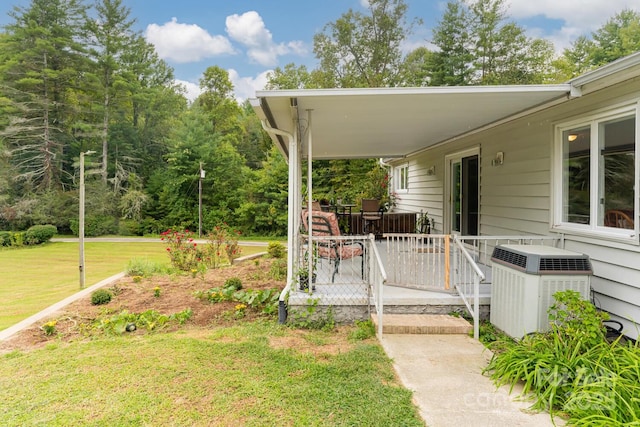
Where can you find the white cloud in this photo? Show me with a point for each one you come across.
(192, 90)
(249, 29)
(579, 17)
(245, 87)
(186, 42)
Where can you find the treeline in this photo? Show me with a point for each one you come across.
(77, 78)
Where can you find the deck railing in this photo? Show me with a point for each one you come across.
(419, 261)
(377, 278)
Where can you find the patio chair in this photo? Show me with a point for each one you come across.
(371, 216)
(618, 219)
(326, 224)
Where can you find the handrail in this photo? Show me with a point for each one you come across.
(469, 258)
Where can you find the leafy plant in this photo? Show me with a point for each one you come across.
(263, 300)
(233, 282)
(101, 296)
(310, 318)
(365, 329)
(150, 320)
(573, 368)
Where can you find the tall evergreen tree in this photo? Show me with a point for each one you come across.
(110, 35)
(40, 73)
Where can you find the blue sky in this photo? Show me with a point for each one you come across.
(250, 37)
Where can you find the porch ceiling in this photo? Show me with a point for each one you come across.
(395, 122)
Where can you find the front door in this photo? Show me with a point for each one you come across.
(463, 206)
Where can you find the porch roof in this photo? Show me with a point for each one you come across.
(396, 122)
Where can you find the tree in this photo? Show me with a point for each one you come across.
(452, 65)
(41, 73)
(360, 50)
(476, 45)
(217, 100)
(618, 37)
(110, 35)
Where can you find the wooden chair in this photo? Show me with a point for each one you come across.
(371, 215)
(618, 219)
(326, 224)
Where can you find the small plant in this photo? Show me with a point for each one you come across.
(233, 282)
(156, 292)
(364, 329)
(239, 312)
(143, 267)
(276, 250)
(49, 328)
(137, 279)
(101, 296)
(278, 269)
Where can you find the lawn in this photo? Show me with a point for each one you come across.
(252, 374)
(33, 278)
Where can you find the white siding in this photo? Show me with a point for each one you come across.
(515, 198)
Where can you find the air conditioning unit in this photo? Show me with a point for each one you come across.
(524, 279)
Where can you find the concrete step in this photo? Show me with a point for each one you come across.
(435, 324)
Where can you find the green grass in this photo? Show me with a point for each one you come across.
(33, 278)
(228, 376)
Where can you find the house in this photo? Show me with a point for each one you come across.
(545, 160)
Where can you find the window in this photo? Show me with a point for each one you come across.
(402, 178)
(597, 166)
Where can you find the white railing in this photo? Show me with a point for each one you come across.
(419, 261)
(481, 247)
(377, 278)
(466, 278)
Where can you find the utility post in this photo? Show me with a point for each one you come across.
(81, 219)
(202, 173)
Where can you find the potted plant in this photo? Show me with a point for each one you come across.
(423, 223)
(303, 272)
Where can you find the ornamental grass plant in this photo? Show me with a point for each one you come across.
(572, 369)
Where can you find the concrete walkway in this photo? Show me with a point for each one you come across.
(445, 374)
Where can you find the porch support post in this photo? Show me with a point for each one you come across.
(310, 253)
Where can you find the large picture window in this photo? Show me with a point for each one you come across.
(598, 173)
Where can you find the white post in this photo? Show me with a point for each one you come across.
(202, 174)
(81, 220)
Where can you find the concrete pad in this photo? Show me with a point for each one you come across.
(445, 374)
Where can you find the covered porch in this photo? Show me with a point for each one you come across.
(389, 123)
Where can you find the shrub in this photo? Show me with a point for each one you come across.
(100, 297)
(5, 238)
(39, 234)
(276, 250)
(233, 282)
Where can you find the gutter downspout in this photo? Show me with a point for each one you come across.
(293, 225)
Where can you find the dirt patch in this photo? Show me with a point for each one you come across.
(177, 293)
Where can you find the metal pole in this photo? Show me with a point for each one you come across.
(81, 222)
(200, 201)
(81, 219)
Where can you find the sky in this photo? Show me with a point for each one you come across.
(249, 38)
